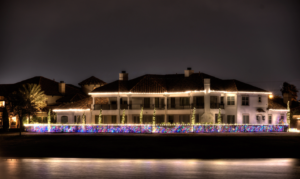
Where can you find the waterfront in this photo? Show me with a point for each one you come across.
(34, 168)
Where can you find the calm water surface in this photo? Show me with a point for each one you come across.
(144, 168)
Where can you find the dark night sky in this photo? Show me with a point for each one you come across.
(252, 41)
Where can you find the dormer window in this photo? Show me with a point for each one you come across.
(259, 99)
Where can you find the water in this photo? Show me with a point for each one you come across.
(148, 168)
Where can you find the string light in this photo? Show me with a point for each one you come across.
(148, 128)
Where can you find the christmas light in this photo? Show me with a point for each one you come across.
(146, 128)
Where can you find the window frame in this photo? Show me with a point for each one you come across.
(248, 118)
(246, 100)
(230, 101)
(270, 119)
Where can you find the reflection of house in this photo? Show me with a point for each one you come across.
(57, 93)
(174, 96)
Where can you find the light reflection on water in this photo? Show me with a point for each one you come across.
(148, 168)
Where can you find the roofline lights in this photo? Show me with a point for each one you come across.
(279, 109)
(203, 91)
(62, 110)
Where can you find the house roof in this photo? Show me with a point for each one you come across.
(72, 98)
(276, 103)
(175, 83)
(50, 87)
(83, 103)
(92, 80)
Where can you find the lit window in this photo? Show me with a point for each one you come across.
(230, 100)
(245, 101)
(2, 104)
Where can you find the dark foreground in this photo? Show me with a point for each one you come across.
(264, 145)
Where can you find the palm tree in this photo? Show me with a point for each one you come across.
(33, 97)
(28, 100)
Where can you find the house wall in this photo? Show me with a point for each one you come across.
(88, 88)
(51, 100)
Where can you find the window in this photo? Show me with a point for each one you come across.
(156, 102)
(184, 101)
(159, 119)
(270, 119)
(263, 118)
(230, 119)
(136, 119)
(184, 119)
(245, 119)
(114, 119)
(147, 119)
(230, 100)
(259, 98)
(64, 119)
(172, 102)
(199, 101)
(2, 104)
(245, 101)
(146, 102)
(222, 100)
(74, 119)
(171, 119)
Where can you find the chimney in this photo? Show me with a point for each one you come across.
(62, 87)
(188, 72)
(123, 76)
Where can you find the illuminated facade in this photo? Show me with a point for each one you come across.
(174, 97)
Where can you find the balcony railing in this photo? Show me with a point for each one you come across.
(216, 106)
(177, 106)
(139, 106)
(105, 106)
(198, 106)
(157, 107)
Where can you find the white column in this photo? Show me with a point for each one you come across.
(118, 109)
(93, 104)
(191, 102)
(128, 117)
(166, 108)
(207, 95)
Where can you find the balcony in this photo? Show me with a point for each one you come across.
(216, 106)
(177, 106)
(146, 107)
(105, 106)
(198, 106)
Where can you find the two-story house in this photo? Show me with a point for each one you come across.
(174, 98)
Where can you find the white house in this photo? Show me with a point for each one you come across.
(174, 97)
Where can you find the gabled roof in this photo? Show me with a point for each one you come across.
(175, 83)
(83, 103)
(92, 80)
